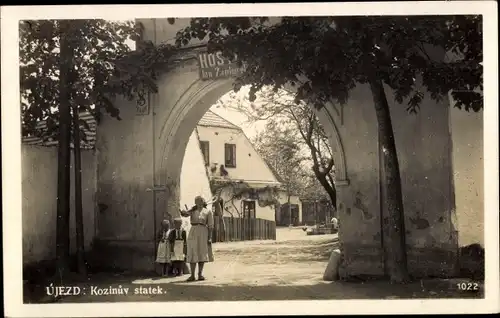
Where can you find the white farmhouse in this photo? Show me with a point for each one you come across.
(220, 161)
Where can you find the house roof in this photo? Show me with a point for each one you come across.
(88, 129)
(273, 171)
(211, 119)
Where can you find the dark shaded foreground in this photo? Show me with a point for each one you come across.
(290, 268)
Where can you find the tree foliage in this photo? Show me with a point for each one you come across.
(105, 67)
(293, 169)
(294, 127)
(325, 57)
(282, 153)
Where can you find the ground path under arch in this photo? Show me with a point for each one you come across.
(289, 268)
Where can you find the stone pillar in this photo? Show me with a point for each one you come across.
(359, 232)
(124, 220)
(357, 182)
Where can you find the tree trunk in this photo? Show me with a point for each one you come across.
(393, 218)
(80, 242)
(330, 190)
(64, 159)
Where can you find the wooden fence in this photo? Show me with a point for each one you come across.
(316, 212)
(228, 229)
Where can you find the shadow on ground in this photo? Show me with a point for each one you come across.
(289, 268)
(203, 291)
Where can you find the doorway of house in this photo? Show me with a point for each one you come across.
(289, 216)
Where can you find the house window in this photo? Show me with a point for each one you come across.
(205, 150)
(230, 155)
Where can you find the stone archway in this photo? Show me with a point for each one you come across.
(184, 117)
(139, 161)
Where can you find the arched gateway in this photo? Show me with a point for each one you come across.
(140, 159)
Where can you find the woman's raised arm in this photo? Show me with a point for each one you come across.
(185, 213)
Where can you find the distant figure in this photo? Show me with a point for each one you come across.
(335, 223)
(199, 239)
(178, 247)
(223, 171)
(163, 252)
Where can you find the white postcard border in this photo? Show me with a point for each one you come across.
(11, 162)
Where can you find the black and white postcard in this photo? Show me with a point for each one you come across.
(250, 159)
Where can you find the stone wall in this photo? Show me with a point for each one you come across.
(468, 175)
(39, 191)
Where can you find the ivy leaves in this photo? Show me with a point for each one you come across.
(266, 196)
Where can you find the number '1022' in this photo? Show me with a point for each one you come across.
(468, 286)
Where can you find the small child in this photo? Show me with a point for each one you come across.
(163, 254)
(178, 247)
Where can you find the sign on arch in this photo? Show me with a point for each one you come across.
(215, 65)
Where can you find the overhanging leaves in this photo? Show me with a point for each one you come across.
(326, 57)
(104, 67)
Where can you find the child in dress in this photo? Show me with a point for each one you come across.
(178, 247)
(163, 254)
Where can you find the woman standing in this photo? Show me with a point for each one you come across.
(199, 240)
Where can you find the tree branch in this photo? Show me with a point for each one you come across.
(329, 166)
(305, 135)
(328, 148)
(420, 46)
(330, 179)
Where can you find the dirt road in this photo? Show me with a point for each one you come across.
(289, 268)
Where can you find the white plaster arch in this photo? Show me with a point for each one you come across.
(330, 126)
(195, 95)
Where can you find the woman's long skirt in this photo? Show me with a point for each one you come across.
(198, 249)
